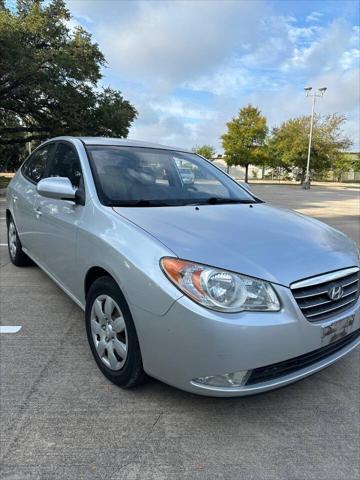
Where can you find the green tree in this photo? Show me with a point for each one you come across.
(289, 143)
(345, 162)
(49, 76)
(243, 143)
(207, 151)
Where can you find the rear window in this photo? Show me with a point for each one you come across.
(35, 166)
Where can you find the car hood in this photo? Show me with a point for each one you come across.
(260, 240)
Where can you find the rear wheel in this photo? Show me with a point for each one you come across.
(111, 334)
(17, 256)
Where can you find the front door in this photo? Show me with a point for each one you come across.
(59, 220)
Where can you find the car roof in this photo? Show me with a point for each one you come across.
(125, 142)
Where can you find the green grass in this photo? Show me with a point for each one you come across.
(4, 181)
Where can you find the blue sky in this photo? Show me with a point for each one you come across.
(189, 66)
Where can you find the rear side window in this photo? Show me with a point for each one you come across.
(66, 163)
(34, 168)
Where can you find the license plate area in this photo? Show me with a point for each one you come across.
(336, 330)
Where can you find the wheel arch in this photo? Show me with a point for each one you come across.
(93, 274)
(8, 216)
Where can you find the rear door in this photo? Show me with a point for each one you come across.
(58, 220)
(25, 197)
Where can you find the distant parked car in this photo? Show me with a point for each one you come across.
(187, 175)
(203, 286)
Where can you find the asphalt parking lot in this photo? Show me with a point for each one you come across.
(61, 419)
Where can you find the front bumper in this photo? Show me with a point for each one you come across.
(190, 341)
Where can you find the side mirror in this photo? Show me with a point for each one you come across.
(56, 187)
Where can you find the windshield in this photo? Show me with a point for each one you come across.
(137, 176)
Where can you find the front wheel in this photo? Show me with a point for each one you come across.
(112, 335)
(17, 256)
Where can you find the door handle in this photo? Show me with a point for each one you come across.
(38, 213)
(14, 197)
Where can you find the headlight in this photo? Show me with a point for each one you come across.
(220, 289)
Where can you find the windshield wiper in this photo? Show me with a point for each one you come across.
(222, 200)
(140, 203)
(179, 202)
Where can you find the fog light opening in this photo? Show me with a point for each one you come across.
(234, 379)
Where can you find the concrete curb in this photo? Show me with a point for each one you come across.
(297, 184)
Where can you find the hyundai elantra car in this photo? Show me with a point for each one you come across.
(199, 284)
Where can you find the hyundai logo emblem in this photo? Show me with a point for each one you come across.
(335, 293)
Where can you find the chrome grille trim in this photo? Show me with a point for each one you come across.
(313, 298)
(299, 297)
(327, 277)
(350, 283)
(330, 309)
(349, 293)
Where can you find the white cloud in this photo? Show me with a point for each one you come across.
(168, 122)
(314, 17)
(297, 34)
(342, 96)
(189, 66)
(279, 95)
(168, 131)
(355, 37)
(279, 105)
(228, 79)
(343, 92)
(171, 42)
(324, 52)
(176, 107)
(350, 59)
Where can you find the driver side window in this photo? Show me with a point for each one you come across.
(66, 163)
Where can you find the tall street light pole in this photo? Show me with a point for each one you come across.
(308, 90)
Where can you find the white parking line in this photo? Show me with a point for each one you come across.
(3, 244)
(9, 329)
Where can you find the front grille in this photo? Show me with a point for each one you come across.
(314, 299)
(276, 370)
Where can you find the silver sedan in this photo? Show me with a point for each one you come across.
(199, 284)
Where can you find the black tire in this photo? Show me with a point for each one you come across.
(131, 374)
(16, 253)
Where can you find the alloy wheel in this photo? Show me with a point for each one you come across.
(12, 239)
(109, 332)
